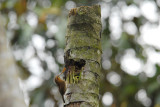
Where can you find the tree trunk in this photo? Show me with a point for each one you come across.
(10, 94)
(83, 57)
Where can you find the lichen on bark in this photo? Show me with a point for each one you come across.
(83, 42)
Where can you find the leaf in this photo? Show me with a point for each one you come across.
(20, 7)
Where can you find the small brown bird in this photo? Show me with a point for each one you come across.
(61, 84)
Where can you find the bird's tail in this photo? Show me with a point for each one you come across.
(63, 98)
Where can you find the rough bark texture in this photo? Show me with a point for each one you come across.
(83, 56)
(10, 93)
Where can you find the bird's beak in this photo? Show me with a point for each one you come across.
(64, 70)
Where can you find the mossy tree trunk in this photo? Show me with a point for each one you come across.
(83, 56)
(10, 93)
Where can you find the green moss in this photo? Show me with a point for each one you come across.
(86, 53)
(83, 41)
(87, 97)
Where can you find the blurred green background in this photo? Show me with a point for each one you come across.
(131, 49)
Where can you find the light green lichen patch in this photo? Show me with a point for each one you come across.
(86, 97)
(92, 66)
(85, 53)
(88, 27)
(84, 85)
(85, 14)
(92, 76)
(84, 31)
(82, 41)
(81, 30)
(89, 10)
(89, 104)
(84, 19)
(89, 86)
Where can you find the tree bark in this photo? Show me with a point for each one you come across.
(83, 56)
(10, 93)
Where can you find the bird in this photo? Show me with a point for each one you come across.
(61, 84)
